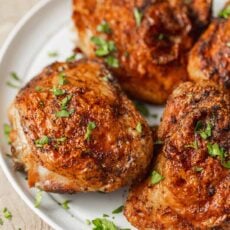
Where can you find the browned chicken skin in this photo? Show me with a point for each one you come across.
(151, 50)
(195, 190)
(210, 57)
(75, 130)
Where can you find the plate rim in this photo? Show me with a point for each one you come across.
(9, 38)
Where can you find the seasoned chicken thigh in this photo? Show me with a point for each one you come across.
(75, 130)
(210, 57)
(189, 187)
(145, 42)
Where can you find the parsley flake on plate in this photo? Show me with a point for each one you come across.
(138, 16)
(104, 28)
(7, 214)
(118, 210)
(65, 204)
(38, 199)
(44, 140)
(7, 129)
(103, 224)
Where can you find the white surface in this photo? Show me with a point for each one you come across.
(46, 28)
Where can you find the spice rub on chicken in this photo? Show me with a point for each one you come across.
(145, 42)
(75, 130)
(189, 187)
(210, 57)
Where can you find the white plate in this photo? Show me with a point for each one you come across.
(47, 28)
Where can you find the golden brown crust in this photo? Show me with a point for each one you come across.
(152, 56)
(188, 198)
(114, 156)
(210, 57)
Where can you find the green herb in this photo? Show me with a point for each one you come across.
(61, 139)
(142, 108)
(65, 204)
(161, 37)
(90, 127)
(118, 210)
(7, 131)
(104, 28)
(112, 61)
(42, 141)
(103, 47)
(64, 113)
(62, 79)
(103, 224)
(198, 169)
(204, 132)
(38, 199)
(107, 77)
(139, 127)
(105, 215)
(215, 150)
(126, 54)
(38, 88)
(1, 221)
(65, 101)
(225, 13)
(88, 222)
(193, 145)
(7, 214)
(71, 58)
(159, 142)
(156, 177)
(138, 16)
(15, 76)
(58, 92)
(12, 85)
(53, 54)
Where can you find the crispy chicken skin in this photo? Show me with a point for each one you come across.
(195, 191)
(210, 57)
(152, 56)
(110, 154)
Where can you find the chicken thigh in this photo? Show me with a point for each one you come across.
(75, 130)
(210, 57)
(145, 43)
(189, 187)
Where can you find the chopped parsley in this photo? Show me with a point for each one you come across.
(90, 127)
(71, 58)
(15, 76)
(38, 88)
(57, 91)
(193, 145)
(53, 54)
(156, 177)
(214, 150)
(142, 108)
(103, 224)
(88, 222)
(65, 101)
(138, 16)
(38, 199)
(44, 140)
(205, 132)
(103, 47)
(7, 131)
(198, 169)
(104, 28)
(105, 215)
(7, 214)
(1, 221)
(161, 37)
(60, 140)
(107, 78)
(112, 61)
(12, 85)
(225, 13)
(64, 113)
(65, 205)
(118, 210)
(139, 127)
(62, 79)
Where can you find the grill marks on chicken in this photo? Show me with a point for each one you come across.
(210, 57)
(75, 130)
(151, 50)
(194, 161)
